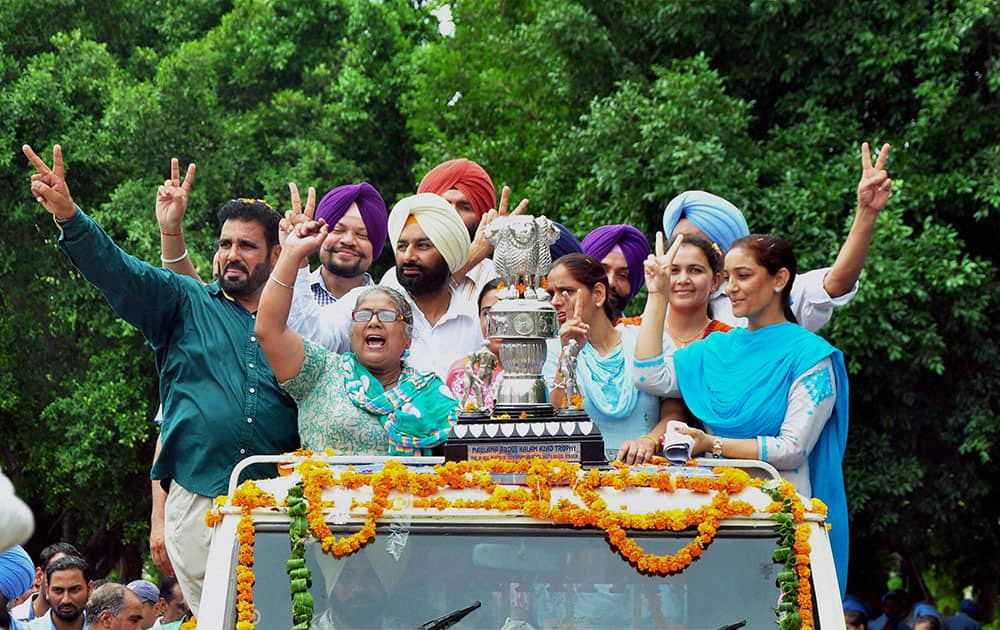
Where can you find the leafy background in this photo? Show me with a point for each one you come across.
(599, 112)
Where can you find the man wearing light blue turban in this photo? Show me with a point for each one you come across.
(814, 293)
(719, 221)
(17, 572)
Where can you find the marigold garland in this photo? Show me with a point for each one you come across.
(248, 497)
(795, 610)
(534, 499)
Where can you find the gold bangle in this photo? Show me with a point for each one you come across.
(656, 443)
(280, 283)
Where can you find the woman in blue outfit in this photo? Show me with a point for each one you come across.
(772, 391)
(578, 285)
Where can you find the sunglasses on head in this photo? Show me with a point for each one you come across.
(384, 315)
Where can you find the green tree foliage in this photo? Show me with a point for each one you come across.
(600, 112)
(259, 94)
(766, 103)
(513, 73)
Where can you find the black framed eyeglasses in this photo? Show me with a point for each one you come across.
(385, 315)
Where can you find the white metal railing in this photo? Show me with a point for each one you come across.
(753, 467)
(330, 459)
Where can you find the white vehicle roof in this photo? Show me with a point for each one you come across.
(217, 602)
(635, 500)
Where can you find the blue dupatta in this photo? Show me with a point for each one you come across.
(738, 385)
(606, 381)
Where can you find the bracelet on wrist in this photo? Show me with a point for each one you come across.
(280, 283)
(171, 233)
(657, 445)
(717, 447)
(168, 261)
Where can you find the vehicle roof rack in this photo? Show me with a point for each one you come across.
(754, 467)
(330, 459)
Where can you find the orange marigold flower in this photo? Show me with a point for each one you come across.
(212, 518)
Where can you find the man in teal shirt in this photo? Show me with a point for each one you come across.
(220, 398)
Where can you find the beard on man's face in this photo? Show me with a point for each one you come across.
(343, 270)
(420, 279)
(472, 230)
(617, 302)
(247, 284)
(67, 612)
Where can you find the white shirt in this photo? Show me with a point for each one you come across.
(24, 612)
(455, 335)
(811, 304)
(321, 294)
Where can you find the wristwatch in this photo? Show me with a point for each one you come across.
(717, 447)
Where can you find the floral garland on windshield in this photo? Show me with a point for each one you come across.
(795, 610)
(534, 499)
(248, 497)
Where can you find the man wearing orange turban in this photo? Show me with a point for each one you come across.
(469, 189)
(466, 185)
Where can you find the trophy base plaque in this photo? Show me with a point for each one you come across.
(507, 436)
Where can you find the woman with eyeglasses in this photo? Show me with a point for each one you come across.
(365, 401)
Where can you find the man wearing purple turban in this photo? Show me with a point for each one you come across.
(814, 293)
(358, 223)
(621, 249)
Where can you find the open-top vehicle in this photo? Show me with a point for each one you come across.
(411, 543)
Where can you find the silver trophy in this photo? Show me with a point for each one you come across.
(523, 423)
(522, 319)
(572, 394)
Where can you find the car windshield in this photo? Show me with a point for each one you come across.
(525, 577)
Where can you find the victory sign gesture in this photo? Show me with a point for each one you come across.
(297, 215)
(48, 185)
(875, 185)
(172, 198)
(657, 265)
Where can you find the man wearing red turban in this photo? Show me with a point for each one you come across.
(469, 189)
(466, 185)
